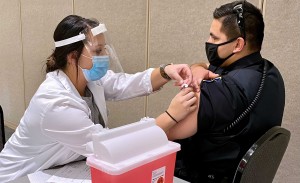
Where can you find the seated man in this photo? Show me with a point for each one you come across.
(237, 107)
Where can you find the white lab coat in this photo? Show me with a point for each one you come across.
(56, 126)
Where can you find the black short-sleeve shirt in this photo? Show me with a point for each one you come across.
(211, 151)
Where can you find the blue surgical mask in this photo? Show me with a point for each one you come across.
(99, 69)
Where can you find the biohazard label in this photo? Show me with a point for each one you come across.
(158, 175)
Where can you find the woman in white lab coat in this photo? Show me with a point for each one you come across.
(57, 125)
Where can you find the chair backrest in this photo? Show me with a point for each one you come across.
(2, 132)
(262, 160)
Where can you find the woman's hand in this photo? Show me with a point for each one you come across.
(182, 104)
(181, 73)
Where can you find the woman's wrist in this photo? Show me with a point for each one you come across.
(157, 81)
(165, 122)
(171, 116)
(162, 71)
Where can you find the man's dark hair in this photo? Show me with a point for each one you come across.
(252, 22)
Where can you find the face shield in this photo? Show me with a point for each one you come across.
(97, 43)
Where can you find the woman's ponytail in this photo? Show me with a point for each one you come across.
(51, 64)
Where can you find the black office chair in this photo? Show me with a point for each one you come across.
(262, 160)
(2, 132)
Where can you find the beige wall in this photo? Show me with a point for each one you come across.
(145, 34)
(282, 46)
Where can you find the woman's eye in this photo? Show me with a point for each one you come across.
(98, 51)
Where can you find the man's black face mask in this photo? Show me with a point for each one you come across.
(212, 53)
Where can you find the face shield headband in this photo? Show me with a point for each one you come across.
(95, 31)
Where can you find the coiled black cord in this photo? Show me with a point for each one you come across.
(253, 103)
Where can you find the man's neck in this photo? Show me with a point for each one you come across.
(237, 56)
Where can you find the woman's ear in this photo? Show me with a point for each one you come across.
(240, 43)
(72, 58)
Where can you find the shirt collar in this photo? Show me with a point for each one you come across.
(252, 59)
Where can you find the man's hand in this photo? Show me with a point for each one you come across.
(200, 73)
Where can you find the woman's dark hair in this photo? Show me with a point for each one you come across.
(70, 26)
(251, 25)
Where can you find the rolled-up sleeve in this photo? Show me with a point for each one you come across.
(221, 101)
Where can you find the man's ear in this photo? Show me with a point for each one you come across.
(240, 43)
(72, 57)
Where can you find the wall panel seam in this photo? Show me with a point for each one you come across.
(22, 54)
(73, 7)
(262, 6)
(147, 50)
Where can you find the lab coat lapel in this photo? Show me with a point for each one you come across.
(98, 94)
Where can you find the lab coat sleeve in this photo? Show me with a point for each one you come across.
(121, 86)
(66, 121)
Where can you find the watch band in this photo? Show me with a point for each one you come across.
(162, 71)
